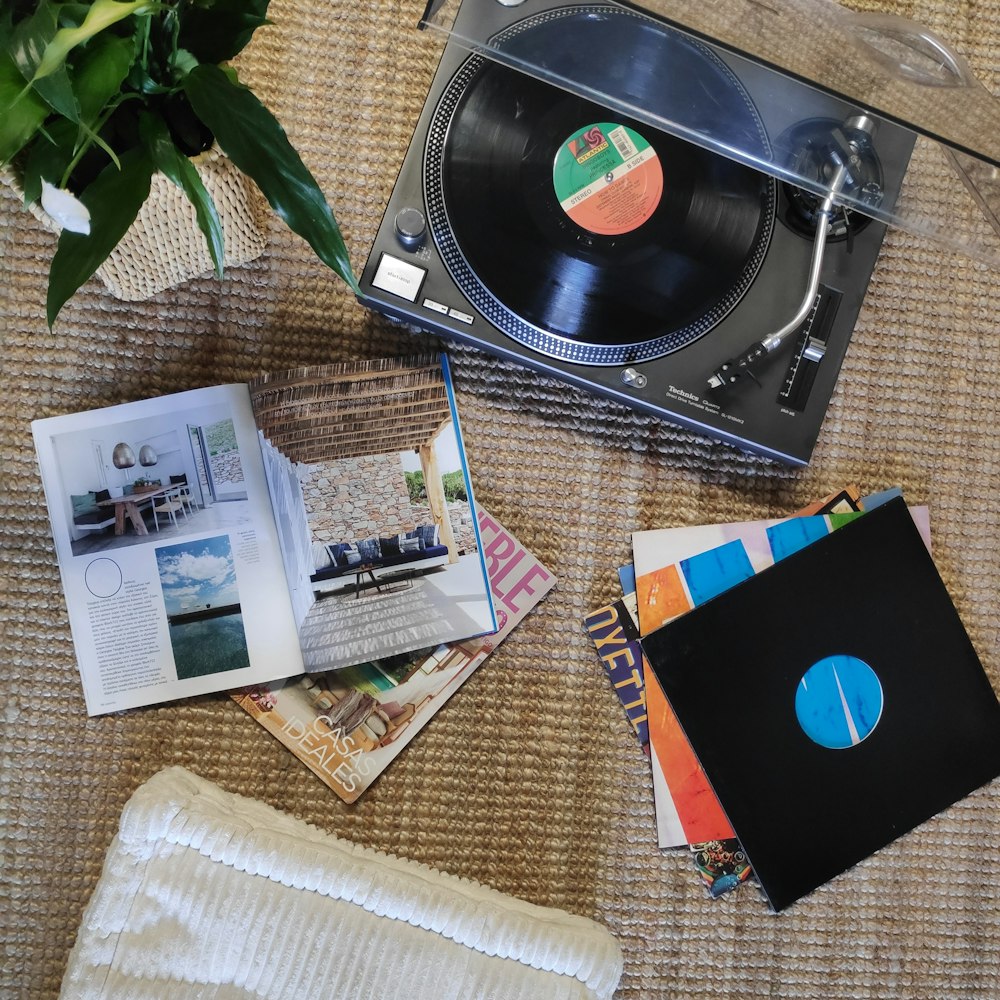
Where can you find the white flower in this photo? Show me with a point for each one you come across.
(65, 209)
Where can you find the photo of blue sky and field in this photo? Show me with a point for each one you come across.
(202, 601)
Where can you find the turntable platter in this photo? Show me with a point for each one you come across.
(583, 233)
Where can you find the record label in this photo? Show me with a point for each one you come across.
(839, 702)
(608, 179)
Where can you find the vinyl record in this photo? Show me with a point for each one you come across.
(582, 232)
(863, 709)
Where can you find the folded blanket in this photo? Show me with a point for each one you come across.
(210, 895)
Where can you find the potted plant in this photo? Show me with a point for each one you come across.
(98, 97)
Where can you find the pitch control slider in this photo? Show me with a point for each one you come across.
(810, 349)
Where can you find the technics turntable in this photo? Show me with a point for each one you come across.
(625, 199)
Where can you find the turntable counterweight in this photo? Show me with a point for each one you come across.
(821, 148)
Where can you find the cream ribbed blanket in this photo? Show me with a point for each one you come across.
(208, 894)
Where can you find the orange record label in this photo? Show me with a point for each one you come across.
(608, 179)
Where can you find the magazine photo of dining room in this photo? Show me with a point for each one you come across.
(152, 478)
(370, 494)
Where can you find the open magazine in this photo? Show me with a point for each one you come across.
(348, 725)
(237, 534)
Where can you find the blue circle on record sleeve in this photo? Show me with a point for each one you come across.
(839, 702)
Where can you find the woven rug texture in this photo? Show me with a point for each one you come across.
(529, 780)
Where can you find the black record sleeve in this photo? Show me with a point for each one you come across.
(868, 592)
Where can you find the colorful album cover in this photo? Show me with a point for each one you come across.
(674, 572)
(614, 630)
(679, 568)
(840, 502)
(837, 696)
(615, 635)
(720, 862)
(670, 590)
(625, 669)
(669, 831)
(708, 831)
(723, 864)
(694, 580)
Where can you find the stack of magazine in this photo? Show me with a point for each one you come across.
(348, 725)
(776, 673)
(309, 542)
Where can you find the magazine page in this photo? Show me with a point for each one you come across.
(167, 548)
(348, 725)
(373, 502)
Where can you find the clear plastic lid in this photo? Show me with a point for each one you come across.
(878, 84)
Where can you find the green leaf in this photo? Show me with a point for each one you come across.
(21, 112)
(52, 57)
(57, 91)
(217, 30)
(32, 40)
(114, 200)
(99, 73)
(252, 138)
(184, 62)
(31, 37)
(179, 169)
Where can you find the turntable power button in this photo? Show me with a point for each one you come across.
(410, 227)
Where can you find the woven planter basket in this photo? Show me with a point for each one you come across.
(164, 246)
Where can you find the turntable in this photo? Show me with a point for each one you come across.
(680, 205)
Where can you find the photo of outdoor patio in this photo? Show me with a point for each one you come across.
(370, 497)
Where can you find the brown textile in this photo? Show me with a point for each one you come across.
(529, 780)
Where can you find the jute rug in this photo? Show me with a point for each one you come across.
(528, 780)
